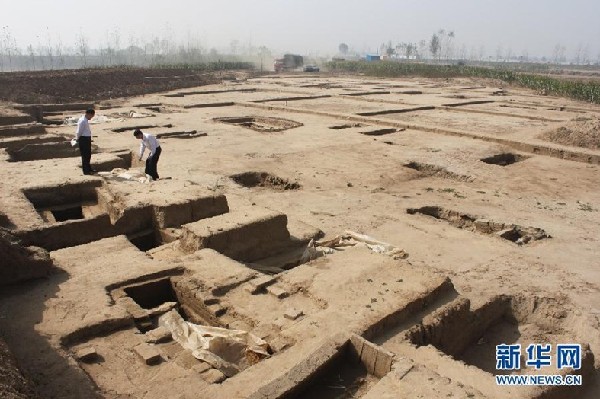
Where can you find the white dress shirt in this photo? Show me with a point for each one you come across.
(149, 141)
(83, 127)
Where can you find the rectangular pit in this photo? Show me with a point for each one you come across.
(152, 294)
(245, 235)
(148, 300)
(42, 151)
(65, 202)
(346, 371)
(146, 240)
(471, 335)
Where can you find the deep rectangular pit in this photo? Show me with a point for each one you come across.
(511, 232)
(350, 373)
(466, 335)
(159, 296)
(70, 213)
(65, 202)
(152, 294)
(146, 240)
(471, 335)
(150, 300)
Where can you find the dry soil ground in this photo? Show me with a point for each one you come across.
(501, 229)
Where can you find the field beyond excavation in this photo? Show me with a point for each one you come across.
(378, 238)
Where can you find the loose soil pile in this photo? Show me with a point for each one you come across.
(580, 132)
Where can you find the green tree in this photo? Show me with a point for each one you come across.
(435, 46)
(343, 47)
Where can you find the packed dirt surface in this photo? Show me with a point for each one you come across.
(581, 132)
(334, 236)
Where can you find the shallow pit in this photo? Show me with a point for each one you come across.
(380, 132)
(264, 179)
(517, 234)
(260, 123)
(346, 126)
(429, 170)
(504, 159)
(181, 135)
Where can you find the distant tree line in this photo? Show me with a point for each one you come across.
(441, 47)
(53, 54)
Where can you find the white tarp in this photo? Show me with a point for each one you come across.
(72, 120)
(349, 239)
(230, 351)
(120, 174)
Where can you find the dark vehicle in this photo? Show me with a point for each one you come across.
(289, 62)
(311, 68)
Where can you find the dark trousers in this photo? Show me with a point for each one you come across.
(85, 148)
(152, 163)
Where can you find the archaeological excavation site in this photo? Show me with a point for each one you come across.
(310, 236)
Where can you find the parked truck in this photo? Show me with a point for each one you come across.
(289, 62)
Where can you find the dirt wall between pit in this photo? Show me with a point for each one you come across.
(13, 384)
(21, 263)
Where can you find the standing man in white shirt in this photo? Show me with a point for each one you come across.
(153, 145)
(84, 139)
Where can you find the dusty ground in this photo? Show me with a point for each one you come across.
(501, 229)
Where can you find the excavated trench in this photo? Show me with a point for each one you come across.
(260, 124)
(264, 179)
(471, 335)
(504, 159)
(518, 234)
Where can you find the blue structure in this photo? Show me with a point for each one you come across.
(371, 57)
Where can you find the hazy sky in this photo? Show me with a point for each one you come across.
(311, 26)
